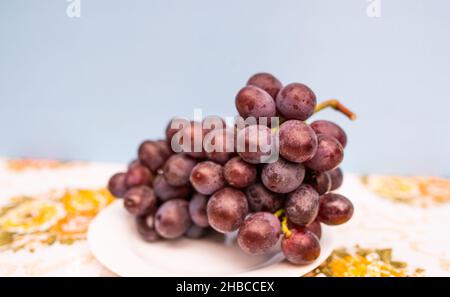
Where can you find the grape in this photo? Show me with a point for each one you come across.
(259, 233)
(197, 210)
(140, 200)
(267, 82)
(328, 156)
(239, 174)
(172, 218)
(314, 227)
(337, 178)
(296, 102)
(177, 169)
(146, 227)
(335, 209)
(226, 210)
(330, 129)
(302, 247)
(255, 144)
(254, 102)
(117, 185)
(207, 177)
(164, 148)
(302, 205)
(165, 192)
(282, 176)
(298, 142)
(261, 199)
(138, 175)
(195, 231)
(190, 140)
(151, 155)
(219, 145)
(134, 163)
(320, 181)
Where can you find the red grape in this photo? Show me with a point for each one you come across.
(195, 232)
(261, 199)
(190, 140)
(138, 175)
(177, 169)
(267, 82)
(226, 210)
(140, 200)
(335, 209)
(328, 156)
(282, 176)
(172, 219)
(239, 174)
(259, 233)
(302, 247)
(320, 181)
(296, 102)
(207, 177)
(197, 210)
(330, 129)
(219, 145)
(255, 144)
(254, 102)
(337, 178)
(165, 192)
(302, 205)
(298, 142)
(151, 155)
(145, 225)
(117, 185)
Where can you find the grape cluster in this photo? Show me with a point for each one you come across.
(196, 191)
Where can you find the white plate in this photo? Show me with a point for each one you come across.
(115, 243)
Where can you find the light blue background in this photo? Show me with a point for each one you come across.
(92, 88)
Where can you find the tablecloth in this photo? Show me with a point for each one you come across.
(400, 226)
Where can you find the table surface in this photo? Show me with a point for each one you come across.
(400, 225)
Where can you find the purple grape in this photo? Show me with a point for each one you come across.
(296, 102)
(151, 155)
(282, 176)
(117, 185)
(238, 173)
(298, 142)
(178, 169)
(164, 148)
(207, 177)
(314, 227)
(165, 192)
(330, 129)
(211, 123)
(138, 175)
(259, 233)
(140, 200)
(254, 102)
(301, 248)
(219, 145)
(328, 156)
(320, 181)
(172, 218)
(302, 205)
(335, 209)
(267, 82)
(261, 199)
(174, 126)
(195, 232)
(226, 210)
(255, 144)
(337, 178)
(145, 225)
(197, 210)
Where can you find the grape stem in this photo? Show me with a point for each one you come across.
(284, 228)
(337, 105)
(279, 213)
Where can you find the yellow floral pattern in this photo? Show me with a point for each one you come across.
(417, 190)
(28, 222)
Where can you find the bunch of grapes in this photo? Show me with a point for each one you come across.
(196, 191)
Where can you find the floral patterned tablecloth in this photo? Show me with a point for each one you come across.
(400, 226)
